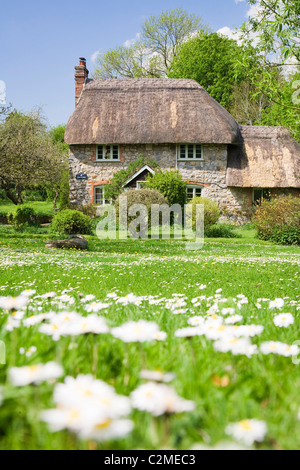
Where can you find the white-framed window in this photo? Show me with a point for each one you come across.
(258, 194)
(189, 152)
(193, 191)
(99, 198)
(141, 184)
(108, 152)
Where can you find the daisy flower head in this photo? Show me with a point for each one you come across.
(188, 332)
(90, 324)
(84, 389)
(247, 431)
(107, 429)
(196, 321)
(21, 376)
(14, 303)
(96, 307)
(157, 375)
(283, 320)
(159, 399)
(228, 311)
(277, 303)
(129, 299)
(237, 346)
(276, 347)
(160, 336)
(139, 331)
(233, 319)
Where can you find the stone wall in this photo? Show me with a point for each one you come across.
(209, 172)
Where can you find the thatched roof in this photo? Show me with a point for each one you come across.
(269, 157)
(138, 111)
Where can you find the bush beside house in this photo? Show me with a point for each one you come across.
(278, 220)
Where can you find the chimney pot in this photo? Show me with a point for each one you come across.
(81, 76)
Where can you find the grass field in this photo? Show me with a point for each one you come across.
(44, 207)
(175, 289)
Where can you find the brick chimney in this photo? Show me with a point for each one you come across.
(81, 75)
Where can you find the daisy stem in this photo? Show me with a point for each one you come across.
(95, 355)
(166, 429)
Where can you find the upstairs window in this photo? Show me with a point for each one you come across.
(259, 194)
(108, 152)
(99, 198)
(190, 152)
(193, 191)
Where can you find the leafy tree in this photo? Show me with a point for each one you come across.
(5, 110)
(28, 156)
(277, 25)
(247, 104)
(215, 62)
(60, 188)
(152, 55)
(279, 115)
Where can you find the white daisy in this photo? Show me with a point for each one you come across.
(283, 320)
(277, 303)
(157, 375)
(248, 431)
(159, 399)
(136, 331)
(20, 376)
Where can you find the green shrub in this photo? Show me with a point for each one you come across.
(64, 191)
(71, 222)
(3, 196)
(141, 196)
(220, 231)
(88, 209)
(278, 220)
(35, 195)
(211, 211)
(170, 184)
(24, 215)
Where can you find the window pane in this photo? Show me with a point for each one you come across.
(182, 151)
(198, 192)
(115, 152)
(266, 194)
(190, 151)
(190, 193)
(99, 195)
(198, 151)
(257, 194)
(100, 152)
(107, 152)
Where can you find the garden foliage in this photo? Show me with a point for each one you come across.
(278, 220)
(71, 222)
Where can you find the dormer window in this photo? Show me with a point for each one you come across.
(190, 152)
(108, 152)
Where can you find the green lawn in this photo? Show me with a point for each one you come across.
(41, 207)
(225, 388)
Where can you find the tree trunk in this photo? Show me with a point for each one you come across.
(9, 192)
(55, 199)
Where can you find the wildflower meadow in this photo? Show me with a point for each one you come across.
(141, 344)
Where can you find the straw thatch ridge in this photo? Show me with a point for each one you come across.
(141, 111)
(268, 158)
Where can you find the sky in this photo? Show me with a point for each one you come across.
(41, 41)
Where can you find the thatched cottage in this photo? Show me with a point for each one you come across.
(179, 125)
